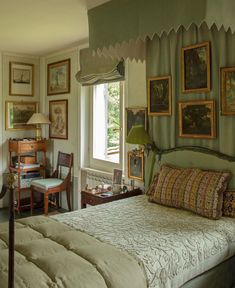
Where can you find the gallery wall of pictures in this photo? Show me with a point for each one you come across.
(191, 88)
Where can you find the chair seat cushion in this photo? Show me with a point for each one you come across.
(47, 183)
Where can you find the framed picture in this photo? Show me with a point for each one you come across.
(58, 77)
(58, 115)
(18, 113)
(117, 176)
(227, 93)
(159, 96)
(136, 165)
(196, 68)
(135, 116)
(21, 79)
(197, 119)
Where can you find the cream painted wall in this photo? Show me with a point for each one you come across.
(135, 96)
(6, 58)
(72, 144)
(78, 120)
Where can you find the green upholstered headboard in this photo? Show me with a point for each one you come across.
(196, 157)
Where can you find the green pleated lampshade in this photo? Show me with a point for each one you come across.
(138, 135)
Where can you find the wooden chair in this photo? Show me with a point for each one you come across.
(55, 184)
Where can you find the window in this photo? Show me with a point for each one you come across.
(107, 103)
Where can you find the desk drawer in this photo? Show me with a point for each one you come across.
(31, 147)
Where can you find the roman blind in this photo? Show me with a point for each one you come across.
(95, 69)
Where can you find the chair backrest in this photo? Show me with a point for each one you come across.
(64, 160)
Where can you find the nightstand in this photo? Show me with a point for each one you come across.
(91, 198)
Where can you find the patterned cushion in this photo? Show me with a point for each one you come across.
(193, 189)
(152, 187)
(204, 192)
(229, 203)
(170, 186)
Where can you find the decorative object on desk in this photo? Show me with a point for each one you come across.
(38, 119)
(136, 165)
(197, 119)
(18, 113)
(58, 77)
(196, 68)
(227, 93)
(159, 96)
(138, 135)
(117, 176)
(135, 116)
(21, 82)
(58, 114)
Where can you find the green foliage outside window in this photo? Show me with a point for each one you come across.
(113, 114)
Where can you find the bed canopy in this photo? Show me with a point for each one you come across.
(119, 28)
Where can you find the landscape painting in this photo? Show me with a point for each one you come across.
(159, 96)
(197, 119)
(228, 91)
(135, 116)
(196, 68)
(18, 114)
(58, 77)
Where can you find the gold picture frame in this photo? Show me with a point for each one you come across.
(58, 115)
(136, 165)
(197, 119)
(21, 79)
(17, 114)
(227, 90)
(159, 96)
(58, 77)
(196, 74)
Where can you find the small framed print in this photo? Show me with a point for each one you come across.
(227, 91)
(58, 77)
(196, 68)
(159, 96)
(136, 165)
(117, 176)
(197, 119)
(21, 79)
(18, 113)
(135, 116)
(58, 115)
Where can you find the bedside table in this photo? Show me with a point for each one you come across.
(87, 197)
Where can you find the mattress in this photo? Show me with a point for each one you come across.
(173, 245)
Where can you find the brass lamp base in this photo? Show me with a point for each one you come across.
(38, 133)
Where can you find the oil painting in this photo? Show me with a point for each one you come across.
(18, 113)
(197, 119)
(58, 77)
(58, 115)
(196, 68)
(136, 165)
(227, 78)
(21, 82)
(159, 96)
(135, 116)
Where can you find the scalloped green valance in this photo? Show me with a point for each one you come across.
(120, 21)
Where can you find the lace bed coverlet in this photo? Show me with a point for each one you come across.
(173, 245)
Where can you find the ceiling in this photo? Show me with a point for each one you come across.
(40, 27)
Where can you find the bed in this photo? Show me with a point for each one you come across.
(129, 243)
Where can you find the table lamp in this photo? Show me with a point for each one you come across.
(138, 135)
(38, 119)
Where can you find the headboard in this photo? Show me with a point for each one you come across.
(199, 157)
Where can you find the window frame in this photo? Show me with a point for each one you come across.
(103, 164)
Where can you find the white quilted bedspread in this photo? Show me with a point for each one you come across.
(173, 245)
